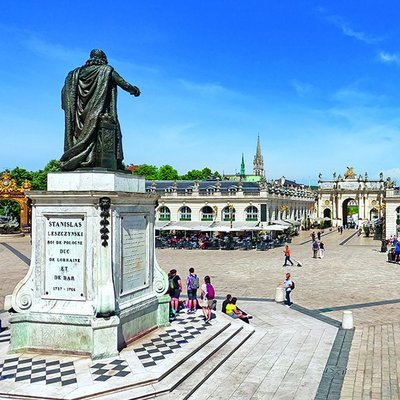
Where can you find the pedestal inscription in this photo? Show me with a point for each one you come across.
(135, 263)
(65, 257)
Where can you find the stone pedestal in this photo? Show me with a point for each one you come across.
(280, 294)
(93, 283)
(347, 320)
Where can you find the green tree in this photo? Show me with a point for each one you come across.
(150, 172)
(53, 166)
(167, 173)
(217, 175)
(200, 175)
(39, 178)
(194, 174)
(206, 172)
(10, 208)
(351, 210)
(20, 175)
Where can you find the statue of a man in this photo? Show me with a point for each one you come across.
(92, 131)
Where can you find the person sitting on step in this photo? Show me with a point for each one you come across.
(235, 313)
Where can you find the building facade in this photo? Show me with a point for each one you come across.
(392, 211)
(376, 200)
(249, 204)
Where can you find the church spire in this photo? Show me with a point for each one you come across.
(242, 168)
(258, 163)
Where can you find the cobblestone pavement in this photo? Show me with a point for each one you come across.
(373, 370)
(355, 276)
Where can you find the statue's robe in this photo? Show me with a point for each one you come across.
(88, 93)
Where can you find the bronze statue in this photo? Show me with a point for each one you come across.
(92, 131)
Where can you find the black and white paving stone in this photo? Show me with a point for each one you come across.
(187, 327)
(29, 370)
(103, 371)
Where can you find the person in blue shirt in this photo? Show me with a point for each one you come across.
(397, 250)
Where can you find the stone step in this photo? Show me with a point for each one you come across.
(203, 372)
(200, 364)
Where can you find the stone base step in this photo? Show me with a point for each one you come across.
(193, 372)
(204, 371)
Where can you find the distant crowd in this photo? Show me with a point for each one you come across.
(203, 241)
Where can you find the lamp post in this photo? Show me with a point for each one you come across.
(231, 209)
(381, 209)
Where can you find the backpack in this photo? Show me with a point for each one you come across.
(195, 282)
(210, 291)
(293, 285)
(172, 283)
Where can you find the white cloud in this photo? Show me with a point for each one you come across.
(54, 51)
(357, 96)
(346, 29)
(389, 58)
(61, 53)
(302, 88)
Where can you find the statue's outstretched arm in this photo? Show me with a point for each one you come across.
(122, 83)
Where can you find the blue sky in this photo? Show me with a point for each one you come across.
(317, 80)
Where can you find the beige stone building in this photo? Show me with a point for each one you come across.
(237, 202)
(245, 204)
(377, 200)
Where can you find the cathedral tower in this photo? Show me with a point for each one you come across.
(242, 168)
(258, 163)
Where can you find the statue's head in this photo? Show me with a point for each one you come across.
(97, 57)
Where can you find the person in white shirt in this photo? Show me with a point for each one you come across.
(288, 284)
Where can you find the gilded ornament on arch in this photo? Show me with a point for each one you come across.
(327, 202)
(8, 184)
(349, 173)
(26, 185)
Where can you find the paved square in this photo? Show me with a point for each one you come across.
(354, 275)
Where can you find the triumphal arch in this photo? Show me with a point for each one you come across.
(351, 198)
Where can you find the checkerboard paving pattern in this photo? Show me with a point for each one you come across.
(5, 336)
(104, 371)
(183, 319)
(157, 349)
(29, 370)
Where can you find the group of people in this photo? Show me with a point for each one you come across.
(206, 301)
(318, 246)
(394, 250)
(207, 293)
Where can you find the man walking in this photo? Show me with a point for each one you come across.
(315, 247)
(321, 250)
(287, 256)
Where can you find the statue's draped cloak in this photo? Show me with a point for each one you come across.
(88, 92)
